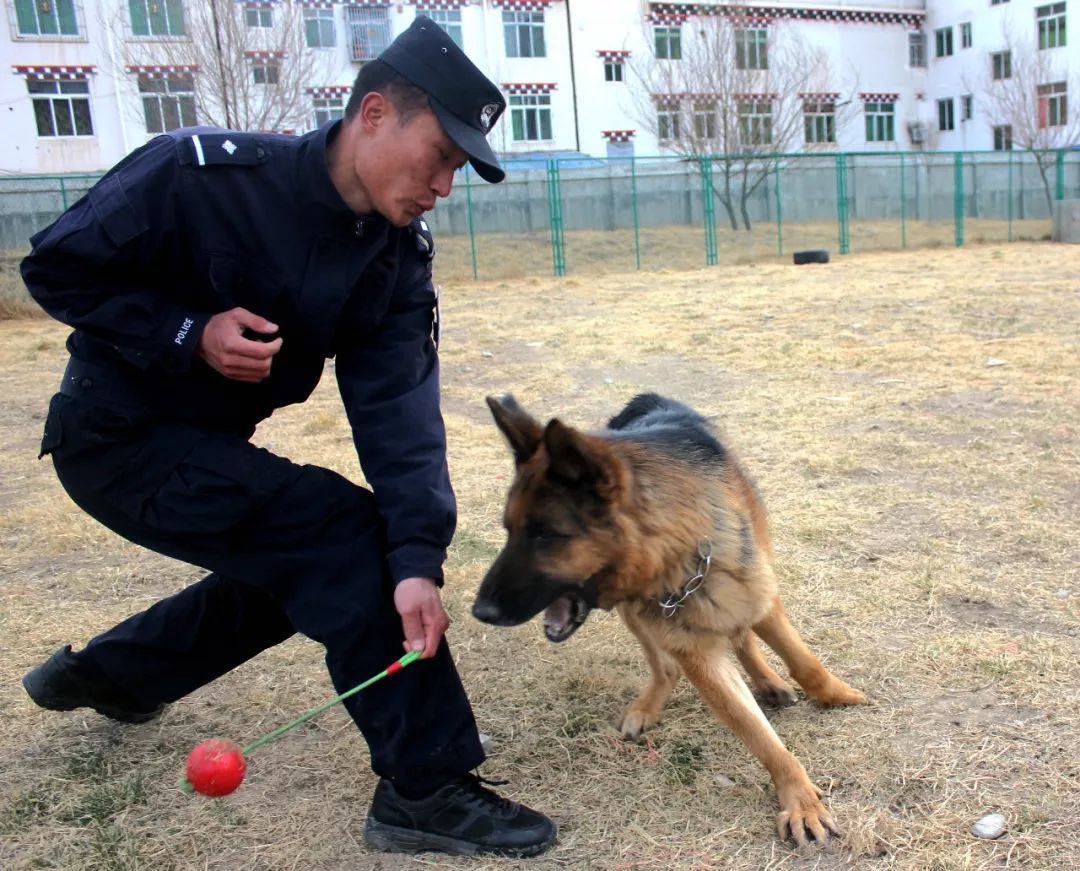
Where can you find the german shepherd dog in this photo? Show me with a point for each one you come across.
(653, 516)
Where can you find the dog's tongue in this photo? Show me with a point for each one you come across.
(557, 616)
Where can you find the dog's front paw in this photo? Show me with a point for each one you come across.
(804, 815)
(775, 695)
(635, 721)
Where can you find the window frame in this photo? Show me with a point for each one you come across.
(943, 42)
(878, 116)
(819, 118)
(1003, 139)
(173, 30)
(751, 48)
(530, 110)
(965, 35)
(917, 49)
(967, 107)
(523, 33)
(160, 97)
(313, 15)
(328, 108)
(65, 93)
(21, 8)
(755, 123)
(1053, 104)
(368, 30)
(264, 16)
(1050, 25)
(946, 110)
(266, 65)
(613, 70)
(669, 123)
(670, 37)
(1001, 65)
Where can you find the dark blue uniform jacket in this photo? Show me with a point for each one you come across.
(201, 220)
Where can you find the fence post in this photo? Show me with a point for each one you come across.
(1059, 174)
(779, 213)
(958, 198)
(841, 203)
(469, 214)
(1010, 193)
(903, 205)
(709, 208)
(558, 251)
(633, 200)
(63, 194)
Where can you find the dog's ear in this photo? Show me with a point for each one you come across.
(578, 461)
(521, 429)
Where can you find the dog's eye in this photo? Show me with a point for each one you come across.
(545, 534)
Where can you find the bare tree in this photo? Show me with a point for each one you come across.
(254, 66)
(1025, 91)
(732, 96)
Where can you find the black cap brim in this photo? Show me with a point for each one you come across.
(472, 142)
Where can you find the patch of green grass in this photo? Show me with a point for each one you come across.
(684, 758)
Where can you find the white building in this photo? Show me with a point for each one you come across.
(89, 80)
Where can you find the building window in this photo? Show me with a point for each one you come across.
(450, 21)
(1001, 65)
(819, 121)
(965, 35)
(61, 106)
(1003, 138)
(613, 71)
(668, 43)
(704, 122)
(1053, 109)
(530, 117)
(668, 124)
(755, 122)
(751, 48)
(157, 17)
(369, 31)
(524, 34)
(967, 103)
(998, 2)
(916, 48)
(943, 41)
(880, 121)
(328, 109)
(1051, 22)
(319, 30)
(945, 120)
(258, 15)
(168, 103)
(46, 18)
(266, 71)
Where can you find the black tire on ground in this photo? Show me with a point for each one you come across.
(818, 255)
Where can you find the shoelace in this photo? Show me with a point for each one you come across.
(476, 788)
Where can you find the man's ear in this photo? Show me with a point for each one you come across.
(521, 429)
(579, 461)
(373, 111)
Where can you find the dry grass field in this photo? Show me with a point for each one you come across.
(913, 422)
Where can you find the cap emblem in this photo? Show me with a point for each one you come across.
(486, 114)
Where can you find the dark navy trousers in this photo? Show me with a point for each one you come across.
(289, 548)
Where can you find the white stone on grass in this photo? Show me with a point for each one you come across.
(991, 826)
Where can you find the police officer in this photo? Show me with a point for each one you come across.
(208, 276)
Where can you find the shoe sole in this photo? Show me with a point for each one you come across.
(394, 839)
(40, 695)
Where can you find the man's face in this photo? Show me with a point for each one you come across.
(405, 167)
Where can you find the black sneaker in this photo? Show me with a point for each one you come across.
(463, 818)
(60, 685)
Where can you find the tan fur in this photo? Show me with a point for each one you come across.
(661, 512)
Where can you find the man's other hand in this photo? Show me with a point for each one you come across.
(422, 615)
(223, 346)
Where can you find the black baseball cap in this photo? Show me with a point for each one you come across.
(466, 103)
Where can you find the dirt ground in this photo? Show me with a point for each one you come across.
(913, 422)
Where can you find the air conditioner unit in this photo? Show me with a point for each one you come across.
(917, 132)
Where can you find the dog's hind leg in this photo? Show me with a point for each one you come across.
(769, 687)
(817, 681)
(723, 689)
(644, 712)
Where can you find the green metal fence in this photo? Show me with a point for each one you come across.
(580, 216)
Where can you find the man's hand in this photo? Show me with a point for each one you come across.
(223, 346)
(422, 616)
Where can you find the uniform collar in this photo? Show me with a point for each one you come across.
(319, 190)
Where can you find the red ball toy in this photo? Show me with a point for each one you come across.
(216, 767)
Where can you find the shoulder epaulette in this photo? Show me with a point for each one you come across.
(223, 149)
(425, 242)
